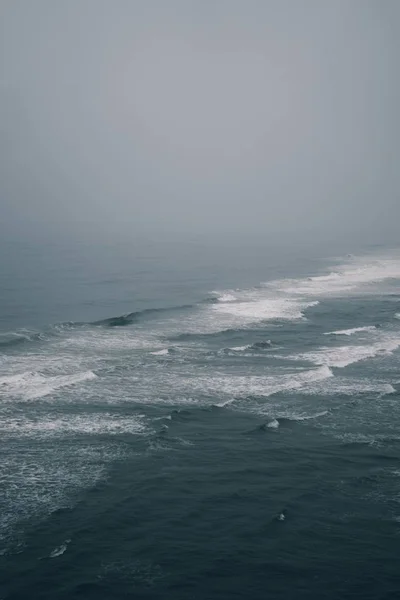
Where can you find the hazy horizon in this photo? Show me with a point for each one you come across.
(275, 119)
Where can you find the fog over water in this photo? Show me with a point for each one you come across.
(258, 118)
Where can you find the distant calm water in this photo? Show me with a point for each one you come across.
(185, 421)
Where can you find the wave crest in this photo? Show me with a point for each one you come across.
(32, 385)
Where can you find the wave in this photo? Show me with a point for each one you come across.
(256, 346)
(37, 482)
(133, 317)
(240, 348)
(32, 385)
(195, 335)
(60, 550)
(344, 356)
(233, 310)
(224, 317)
(14, 338)
(225, 296)
(264, 309)
(289, 299)
(224, 403)
(352, 331)
(344, 386)
(123, 320)
(262, 386)
(317, 415)
(355, 275)
(70, 424)
(279, 421)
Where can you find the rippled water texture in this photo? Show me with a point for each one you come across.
(204, 431)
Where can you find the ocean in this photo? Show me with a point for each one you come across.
(186, 420)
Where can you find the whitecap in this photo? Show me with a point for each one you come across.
(239, 348)
(239, 385)
(344, 356)
(358, 274)
(317, 415)
(227, 298)
(346, 386)
(224, 403)
(60, 550)
(32, 385)
(352, 331)
(265, 309)
(61, 425)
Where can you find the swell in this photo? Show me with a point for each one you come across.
(285, 421)
(263, 345)
(136, 316)
(114, 321)
(224, 334)
(16, 338)
(11, 339)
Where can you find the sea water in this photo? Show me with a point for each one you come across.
(191, 420)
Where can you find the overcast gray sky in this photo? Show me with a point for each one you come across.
(216, 116)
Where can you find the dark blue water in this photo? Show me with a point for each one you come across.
(194, 421)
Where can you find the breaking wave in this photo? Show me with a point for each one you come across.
(256, 346)
(32, 385)
(264, 309)
(14, 338)
(163, 352)
(263, 386)
(344, 356)
(71, 424)
(358, 274)
(352, 331)
(134, 317)
(60, 550)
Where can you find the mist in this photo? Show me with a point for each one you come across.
(275, 119)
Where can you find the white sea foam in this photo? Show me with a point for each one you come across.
(346, 386)
(397, 316)
(226, 297)
(307, 417)
(30, 385)
(265, 309)
(343, 356)
(274, 424)
(258, 346)
(352, 331)
(253, 307)
(162, 352)
(198, 386)
(35, 482)
(61, 425)
(100, 340)
(60, 550)
(358, 273)
(225, 403)
(52, 362)
(237, 385)
(288, 299)
(240, 348)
